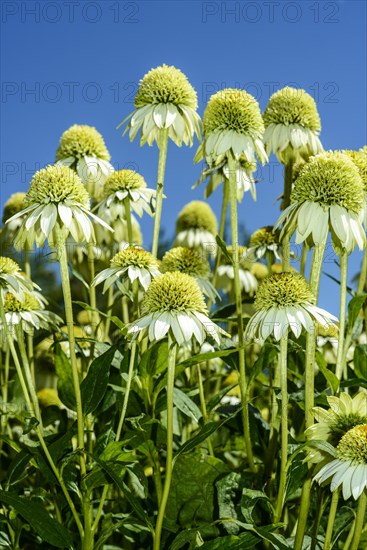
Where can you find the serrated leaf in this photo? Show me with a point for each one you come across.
(186, 405)
(43, 524)
(95, 384)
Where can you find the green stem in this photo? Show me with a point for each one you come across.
(65, 282)
(222, 225)
(288, 180)
(286, 245)
(109, 313)
(360, 520)
(241, 344)
(27, 372)
(203, 406)
(169, 457)
(331, 520)
(128, 221)
(305, 249)
(343, 300)
(363, 274)
(315, 276)
(127, 389)
(163, 146)
(284, 426)
(27, 269)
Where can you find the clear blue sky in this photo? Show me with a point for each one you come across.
(66, 62)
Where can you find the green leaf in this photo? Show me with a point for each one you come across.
(222, 245)
(245, 541)
(226, 494)
(64, 373)
(360, 361)
(202, 357)
(354, 307)
(46, 526)
(186, 405)
(296, 474)
(217, 398)
(332, 380)
(266, 357)
(343, 521)
(189, 536)
(154, 360)
(95, 384)
(191, 498)
(250, 499)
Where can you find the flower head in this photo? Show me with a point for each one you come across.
(191, 262)
(263, 241)
(349, 468)
(359, 158)
(285, 301)
(121, 185)
(232, 124)
(83, 149)
(13, 205)
(56, 196)
(30, 312)
(196, 227)
(218, 173)
(292, 125)
(11, 279)
(175, 303)
(225, 278)
(130, 264)
(327, 195)
(165, 99)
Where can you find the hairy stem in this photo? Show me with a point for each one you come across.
(163, 146)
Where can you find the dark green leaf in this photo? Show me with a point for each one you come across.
(47, 527)
(95, 384)
(64, 373)
(186, 405)
(217, 398)
(245, 541)
(332, 380)
(29, 425)
(354, 307)
(223, 247)
(154, 359)
(360, 361)
(226, 494)
(202, 357)
(250, 499)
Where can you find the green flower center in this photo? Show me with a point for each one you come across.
(173, 292)
(134, 256)
(8, 266)
(197, 215)
(359, 158)
(123, 180)
(80, 141)
(282, 290)
(57, 184)
(232, 109)
(343, 424)
(12, 304)
(353, 445)
(328, 179)
(166, 85)
(13, 205)
(264, 236)
(292, 106)
(186, 260)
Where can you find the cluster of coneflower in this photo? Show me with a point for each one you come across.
(86, 211)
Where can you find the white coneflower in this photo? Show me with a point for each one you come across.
(219, 172)
(13, 205)
(122, 185)
(263, 241)
(359, 158)
(56, 196)
(345, 413)
(130, 264)
(165, 99)
(175, 303)
(225, 273)
(29, 312)
(292, 125)
(191, 262)
(12, 280)
(284, 302)
(83, 149)
(196, 227)
(327, 196)
(349, 467)
(232, 124)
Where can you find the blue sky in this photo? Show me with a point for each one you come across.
(67, 62)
